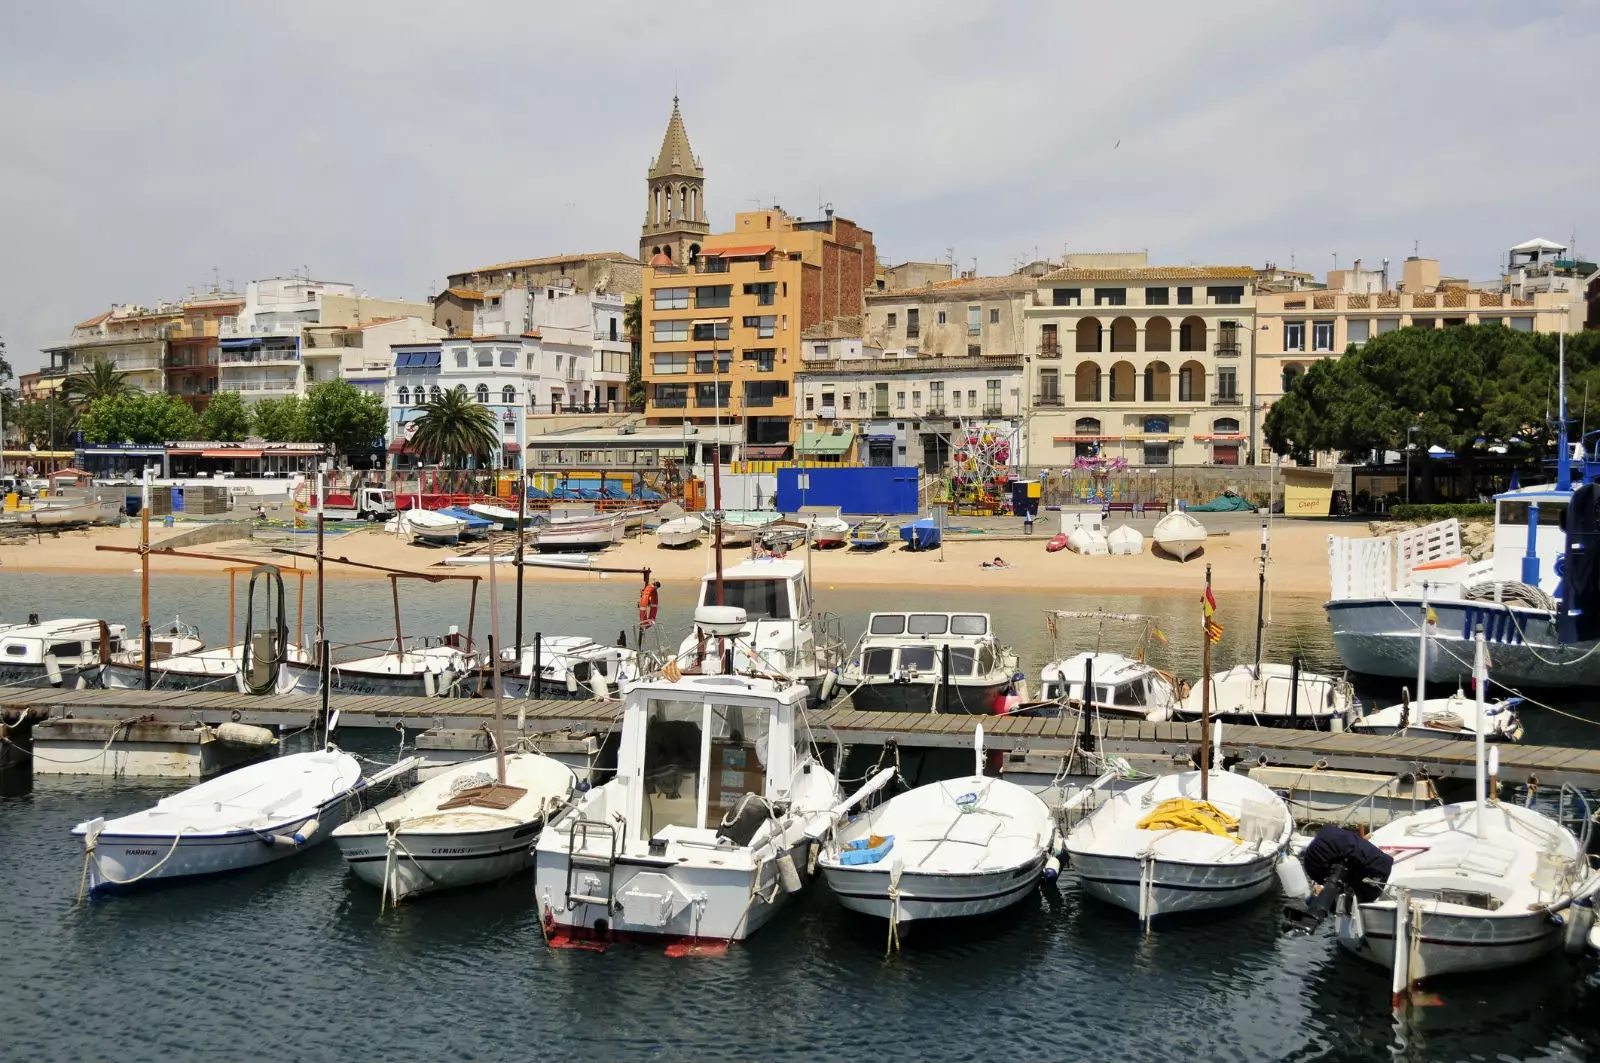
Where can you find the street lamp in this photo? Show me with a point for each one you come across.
(1413, 428)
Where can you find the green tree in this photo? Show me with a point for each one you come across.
(453, 428)
(138, 417)
(47, 423)
(7, 401)
(225, 419)
(100, 381)
(633, 322)
(345, 417)
(280, 420)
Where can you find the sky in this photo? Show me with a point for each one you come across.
(151, 149)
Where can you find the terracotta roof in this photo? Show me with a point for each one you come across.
(736, 251)
(552, 260)
(1152, 273)
(461, 293)
(379, 321)
(93, 321)
(1010, 283)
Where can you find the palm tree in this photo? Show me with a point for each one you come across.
(99, 381)
(453, 426)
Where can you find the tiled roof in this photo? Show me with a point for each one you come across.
(1152, 273)
(553, 260)
(379, 321)
(463, 293)
(1010, 283)
(93, 321)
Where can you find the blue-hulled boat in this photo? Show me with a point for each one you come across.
(476, 527)
(920, 534)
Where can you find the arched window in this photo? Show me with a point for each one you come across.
(1290, 373)
(1087, 443)
(483, 394)
(433, 393)
(694, 204)
(1225, 426)
(405, 395)
(1086, 426)
(508, 395)
(683, 202)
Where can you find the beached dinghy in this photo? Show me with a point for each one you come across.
(250, 816)
(1179, 534)
(960, 847)
(506, 518)
(1125, 541)
(1088, 541)
(682, 531)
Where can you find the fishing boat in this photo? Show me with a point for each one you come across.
(222, 668)
(781, 633)
(825, 531)
(567, 666)
(473, 526)
(1125, 541)
(741, 526)
(58, 653)
(871, 534)
(467, 825)
(1179, 535)
(425, 666)
(681, 532)
(1086, 540)
(704, 832)
(580, 533)
(1189, 841)
(507, 519)
(1473, 886)
(254, 815)
(929, 662)
(961, 847)
(428, 526)
(50, 514)
(1123, 685)
(920, 534)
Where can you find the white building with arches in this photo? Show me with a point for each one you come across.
(500, 372)
(1148, 363)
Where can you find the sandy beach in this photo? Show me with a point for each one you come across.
(1299, 561)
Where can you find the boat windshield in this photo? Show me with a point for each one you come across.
(962, 660)
(672, 765)
(928, 624)
(761, 599)
(918, 657)
(1551, 513)
(738, 756)
(969, 624)
(878, 662)
(887, 624)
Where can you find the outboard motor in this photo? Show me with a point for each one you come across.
(1339, 861)
(1579, 618)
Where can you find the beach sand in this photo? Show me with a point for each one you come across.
(1299, 561)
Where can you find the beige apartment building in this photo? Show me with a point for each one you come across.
(1295, 329)
(1152, 364)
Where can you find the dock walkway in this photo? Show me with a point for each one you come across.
(1438, 758)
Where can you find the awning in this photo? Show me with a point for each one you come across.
(881, 437)
(775, 452)
(511, 448)
(400, 446)
(745, 251)
(1221, 437)
(230, 453)
(833, 443)
(1087, 439)
(175, 450)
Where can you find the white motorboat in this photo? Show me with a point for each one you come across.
(1083, 539)
(459, 828)
(426, 667)
(568, 666)
(222, 668)
(57, 514)
(828, 531)
(1163, 846)
(250, 816)
(506, 518)
(1473, 886)
(681, 531)
(58, 653)
(929, 662)
(961, 847)
(1125, 540)
(1455, 716)
(706, 828)
(1275, 695)
(1124, 687)
(1179, 534)
(780, 635)
(428, 526)
(582, 533)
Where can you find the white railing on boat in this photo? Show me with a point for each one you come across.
(1376, 568)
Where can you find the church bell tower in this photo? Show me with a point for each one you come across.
(675, 222)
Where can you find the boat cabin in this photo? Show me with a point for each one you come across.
(765, 590)
(900, 643)
(690, 750)
(1119, 682)
(73, 643)
(1543, 509)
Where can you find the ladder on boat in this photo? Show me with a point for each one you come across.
(579, 859)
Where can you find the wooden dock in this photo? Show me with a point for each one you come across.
(1437, 758)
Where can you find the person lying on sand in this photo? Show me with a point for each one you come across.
(996, 563)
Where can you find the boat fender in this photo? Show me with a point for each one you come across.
(813, 851)
(52, 668)
(572, 683)
(430, 684)
(1580, 922)
(1052, 868)
(1292, 877)
(788, 874)
(1058, 844)
(245, 735)
(829, 681)
(301, 835)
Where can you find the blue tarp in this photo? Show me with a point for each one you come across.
(534, 492)
(474, 522)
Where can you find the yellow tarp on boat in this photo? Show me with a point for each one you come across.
(1183, 813)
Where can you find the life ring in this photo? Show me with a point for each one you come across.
(649, 600)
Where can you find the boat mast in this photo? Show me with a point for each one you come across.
(1422, 654)
(1205, 691)
(494, 670)
(324, 666)
(1261, 593)
(1480, 680)
(516, 560)
(1563, 451)
(144, 576)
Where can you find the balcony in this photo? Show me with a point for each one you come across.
(1227, 350)
(1049, 398)
(259, 358)
(993, 411)
(670, 402)
(828, 413)
(880, 411)
(913, 331)
(233, 331)
(247, 387)
(1226, 400)
(935, 411)
(1050, 349)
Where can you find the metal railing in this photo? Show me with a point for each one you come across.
(1051, 398)
(1226, 400)
(1050, 350)
(1227, 350)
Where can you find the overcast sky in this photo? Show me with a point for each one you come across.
(388, 143)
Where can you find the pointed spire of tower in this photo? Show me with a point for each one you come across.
(676, 157)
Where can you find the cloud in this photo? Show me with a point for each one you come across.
(387, 144)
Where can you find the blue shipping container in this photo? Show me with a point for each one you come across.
(871, 490)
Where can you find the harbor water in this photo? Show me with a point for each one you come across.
(294, 961)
